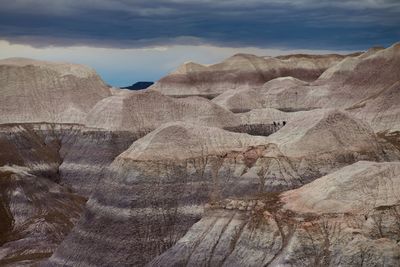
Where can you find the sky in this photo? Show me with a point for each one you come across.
(130, 40)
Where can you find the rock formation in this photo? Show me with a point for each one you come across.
(365, 85)
(36, 215)
(347, 218)
(178, 168)
(39, 91)
(144, 111)
(261, 97)
(357, 188)
(294, 162)
(240, 71)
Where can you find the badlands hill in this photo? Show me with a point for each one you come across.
(40, 91)
(357, 188)
(146, 110)
(347, 218)
(365, 85)
(179, 167)
(294, 162)
(239, 72)
(256, 98)
(179, 141)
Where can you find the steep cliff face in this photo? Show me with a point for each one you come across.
(38, 91)
(36, 215)
(239, 72)
(47, 172)
(71, 155)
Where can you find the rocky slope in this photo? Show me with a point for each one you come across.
(36, 215)
(317, 224)
(357, 188)
(178, 168)
(239, 72)
(365, 85)
(46, 176)
(39, 91)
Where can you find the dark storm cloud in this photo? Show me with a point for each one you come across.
(345, 24)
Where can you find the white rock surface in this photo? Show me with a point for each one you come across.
(39, 91)
(357, 188)
(143, 111)
(240, 100)
(324, 131)
(179, 141)
(265, 116)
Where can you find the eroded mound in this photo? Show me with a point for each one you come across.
(357, 188)
(144, 111)
(38, 91)
(240, 71)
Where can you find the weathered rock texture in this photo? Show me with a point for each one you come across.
(353, 189)
(41, 165)
(262, 122)
(366, 85)
(334, 231)
(157, 188)
(286, 181)
(239, 72)
(36, 214)
(38, 91)
(247, 99)
(144, 111)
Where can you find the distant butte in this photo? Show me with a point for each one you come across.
(138, 86)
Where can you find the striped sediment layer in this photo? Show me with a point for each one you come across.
(323, 223)
(47, 173)
(36, 215)
(155, 190)
(239, 72)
